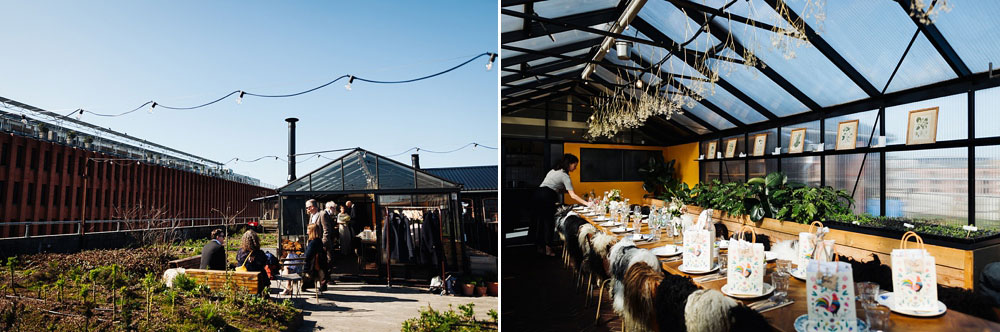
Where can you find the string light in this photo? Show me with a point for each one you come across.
(489, 65)
(241, 93)
(79, 114)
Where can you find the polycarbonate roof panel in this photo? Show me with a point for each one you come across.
(971, 27)
(392, 175)
(547, 60)
(542, 43)
(729, 103)
(803, 66)
(870, 35)
(757, 10)
(690, 124)
(672, 22)
(510, 23)
(608, 75)
(754, 84)
(647, 77)
(328, 178)
(560, 8)
(923, 65)
(706, 114)
(677, 66)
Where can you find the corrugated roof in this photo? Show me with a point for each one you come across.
(473, 178)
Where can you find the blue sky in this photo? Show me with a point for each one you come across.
(111, 56)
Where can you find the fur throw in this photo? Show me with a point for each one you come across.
(602, 244)
(586, 248)
(745, 319)
(786, 250)
(671, 297)
(570, 232)
(641, 282)
(967, 302)
(170, 274)
(872, 270)
(621, 254)
(708, 311)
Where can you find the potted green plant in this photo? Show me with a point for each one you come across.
(70, 137)
(87, 140)
(468, 288)
(480, 287)
(493, 288)
(658, 177)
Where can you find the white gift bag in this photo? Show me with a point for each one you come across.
(808, 242)
(914, 277)
(830, 296)
(698, 253)
(746, 265)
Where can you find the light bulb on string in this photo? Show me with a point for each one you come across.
(489, 65)
(79, 114)
(348, 85)
(239, 99)
(151, 107)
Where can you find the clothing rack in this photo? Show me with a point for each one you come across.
(388, 237)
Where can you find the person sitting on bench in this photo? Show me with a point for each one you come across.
(213, 255)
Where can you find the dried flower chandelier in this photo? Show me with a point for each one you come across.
(630, 101)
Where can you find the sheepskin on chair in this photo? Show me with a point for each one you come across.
(744, 319)
(786, 250)
(967, 302)
(561, 213)
(671, 296)
(721, 230)
(572, 228)
(872, 270)
(621, 254)
(584, 239)
(641, 282)
(603, 243)
(708, 311)
(634, 256)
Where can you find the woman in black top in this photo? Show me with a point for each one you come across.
(546, 197)
(253, 259)
(315, 256)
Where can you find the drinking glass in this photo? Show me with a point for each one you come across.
(867, 292)
(721, 258)
(637, 210)
(783, 265)
(878, 318)
(678, 234)
(779, 279)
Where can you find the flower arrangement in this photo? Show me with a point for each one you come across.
(676, 207)
(615, 195)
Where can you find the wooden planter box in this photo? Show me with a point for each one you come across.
(957, 265)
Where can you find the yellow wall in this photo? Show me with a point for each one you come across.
(684, 154)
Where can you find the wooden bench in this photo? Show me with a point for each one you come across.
(192, 262)
(216, 279)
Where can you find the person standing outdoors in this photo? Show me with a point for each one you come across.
(546, 197)
(324, 225)
(213, 255)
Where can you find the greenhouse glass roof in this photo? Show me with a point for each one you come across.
(844, 57)
(361, 171)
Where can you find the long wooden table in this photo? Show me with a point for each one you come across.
(783, 318)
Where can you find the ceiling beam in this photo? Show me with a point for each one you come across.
(537, 83)
(685, 128)
(522, 58)
(937, 40)
(548, 27)
(508, 3)
(543, 69)
(721, 33)
(584, 28)
(817, 41)
(651, 32)
(678, 85)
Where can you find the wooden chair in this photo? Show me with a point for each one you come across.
(292, 279)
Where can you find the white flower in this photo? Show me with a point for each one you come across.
(907, 225)
(970, 228)
(855, 222)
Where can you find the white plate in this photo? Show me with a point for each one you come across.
(666, 251)
(620, 230)
(641, 237)
(601, 218)
(770, 256)
(685, 270)
(767, 290)
(610, 224)
(723, 244)
(800, 324)
(886, 300)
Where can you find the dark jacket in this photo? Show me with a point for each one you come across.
(256, 263)
(315, 256)
(213, 256)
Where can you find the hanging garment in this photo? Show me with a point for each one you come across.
(431, 251)
(398, 239)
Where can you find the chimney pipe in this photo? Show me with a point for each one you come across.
(416, 160)
(291, 148)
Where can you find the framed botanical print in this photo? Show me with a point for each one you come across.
(847, 135)
(711, 150)
(797, 141)
(730, 148)
(922, 126)
(759, 144)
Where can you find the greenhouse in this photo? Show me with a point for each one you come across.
(838, 137)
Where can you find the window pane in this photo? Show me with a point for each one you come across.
(683, 119)
(802, 66)
(866, 122)
(842, 173)
(562, 38)
(988, 112)
(756, 85)
(812, 136)
(511, 23)
(967, 27)
(763, 167)
(922, 66)
(706, 114)
(953, 118)
(394, 176)
(709, 170)
(928, 184)
(733, 171)
(672, 22)
(802, 169)
(328, 178)
(772, 141)
(729, 103)
(988, 186)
